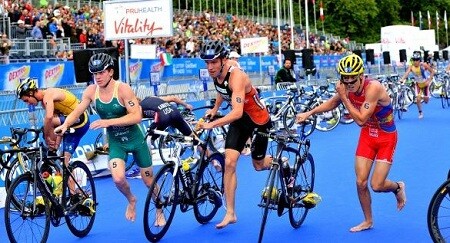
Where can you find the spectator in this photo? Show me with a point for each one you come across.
(21, 30)
(5, 46)
(285, 74)
(36, 32)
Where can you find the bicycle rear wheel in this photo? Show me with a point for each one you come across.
(304, 173)
(80, 199)
(27, 212)
(438, 214)
(269, 199)
(161, 203)
(209, 189)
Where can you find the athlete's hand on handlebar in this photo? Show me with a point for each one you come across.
(301, 117)
(211, 113)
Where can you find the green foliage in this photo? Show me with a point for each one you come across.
(360, 20)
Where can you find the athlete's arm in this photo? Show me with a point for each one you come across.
(406, 74)
(373, 92)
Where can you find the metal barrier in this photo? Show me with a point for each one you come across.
(31, 47)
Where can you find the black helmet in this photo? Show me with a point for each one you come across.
(416, 56)
(25, 86)
(213, 49)
(100, 62)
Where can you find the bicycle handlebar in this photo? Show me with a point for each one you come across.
(285, 138)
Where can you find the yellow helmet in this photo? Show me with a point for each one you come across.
(351, 65)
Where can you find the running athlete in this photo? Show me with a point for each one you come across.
(370, 106)
(58, 104)
(121, 115)
(422, 81)
(246, 115)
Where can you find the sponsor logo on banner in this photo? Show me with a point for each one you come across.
(135, 71)
(53, 75)
(15, 75)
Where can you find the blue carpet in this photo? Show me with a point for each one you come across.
(421, 161)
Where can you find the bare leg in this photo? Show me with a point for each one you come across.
(147, 177)
(381, 184)
(362, 168)
(118, 175)
(230, 184)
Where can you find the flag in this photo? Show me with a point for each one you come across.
(429, 19)
(445, 19)
(322, 17)
(420, 20)
(412, 18)
(437, 20)
(165, 58)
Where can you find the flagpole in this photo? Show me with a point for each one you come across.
(437, 28)
(315, 24)
(445, 22)
(306, 24)
(279, 32)
(291, 14)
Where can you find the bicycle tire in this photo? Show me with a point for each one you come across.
(16, 170)
(208, 189)
(304, 174)
(269, 197)
(444, 96)
(434, 89)
(438, 213)
(309, 125)
(166, 146)
(400, 105)
(26, 221)
(166, 199)
(80, 218)
(330, 122)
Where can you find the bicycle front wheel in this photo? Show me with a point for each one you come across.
(80, 198)
(209, 188)
(19, 166)
(269, 199)
(438, 214)
(304, 174)
(27, 212)
(161, 203)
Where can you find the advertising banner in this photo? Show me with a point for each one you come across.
(137, 19)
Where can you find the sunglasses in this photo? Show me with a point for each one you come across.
(349, 81)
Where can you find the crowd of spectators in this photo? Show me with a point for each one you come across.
(85, 26)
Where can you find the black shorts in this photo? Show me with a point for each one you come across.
(241, 130)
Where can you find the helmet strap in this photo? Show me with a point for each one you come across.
(222, 65)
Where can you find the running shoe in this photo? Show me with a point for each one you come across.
(134, 173)
(420, 115)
